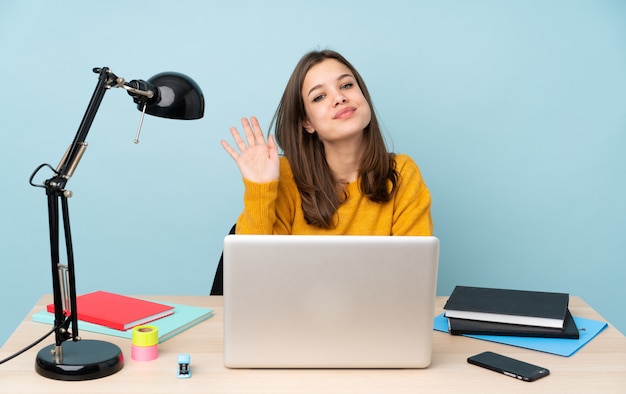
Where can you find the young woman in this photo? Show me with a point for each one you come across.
(335, 175)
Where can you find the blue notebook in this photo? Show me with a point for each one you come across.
(183, 318)
(560, 346)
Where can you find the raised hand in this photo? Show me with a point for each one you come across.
(257, 159)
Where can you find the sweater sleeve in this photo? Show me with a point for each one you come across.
(412, 202)
(259, 213)
(269, 208)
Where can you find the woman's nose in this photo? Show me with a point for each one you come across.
(340, 99)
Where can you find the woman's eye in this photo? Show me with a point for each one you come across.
(347, 85)
(318, 98)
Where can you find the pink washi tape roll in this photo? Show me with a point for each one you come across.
(144, 353)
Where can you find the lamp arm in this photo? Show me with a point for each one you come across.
(72, 156)
(63, 279)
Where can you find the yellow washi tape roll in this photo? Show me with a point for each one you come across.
(145, 336)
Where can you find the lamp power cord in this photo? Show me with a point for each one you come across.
(38, 341)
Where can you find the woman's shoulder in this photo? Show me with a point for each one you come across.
(407, 167)
(403, 160)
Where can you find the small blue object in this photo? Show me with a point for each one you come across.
(184, 372)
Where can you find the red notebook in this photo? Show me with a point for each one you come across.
(117, 311)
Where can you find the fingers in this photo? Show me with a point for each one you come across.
(230, 150)
(258, 133)
(248, 133)
(257, 159)
(272, 146)
(252, 131)
(239, 142)
(252, 137)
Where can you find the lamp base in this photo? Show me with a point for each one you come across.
(82, 360)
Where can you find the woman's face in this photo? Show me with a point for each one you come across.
(335, 106)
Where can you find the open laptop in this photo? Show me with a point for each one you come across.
(304, 301)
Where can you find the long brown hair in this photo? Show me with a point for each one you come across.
(321, 193)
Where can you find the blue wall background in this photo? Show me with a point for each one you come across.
(514, 110)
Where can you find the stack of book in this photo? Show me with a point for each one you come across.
(488, 311)
(115, 314)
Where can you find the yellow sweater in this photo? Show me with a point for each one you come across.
(276, 208)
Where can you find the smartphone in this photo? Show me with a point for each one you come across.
(509, 366)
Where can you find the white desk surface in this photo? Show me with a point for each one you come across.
(599, 367)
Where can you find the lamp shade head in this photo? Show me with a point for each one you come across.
(176, 97)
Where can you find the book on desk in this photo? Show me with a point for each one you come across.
(116, 311)
(182, 318)
(490, 311)
(465, 326)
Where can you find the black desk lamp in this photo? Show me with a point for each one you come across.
(168, 95)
